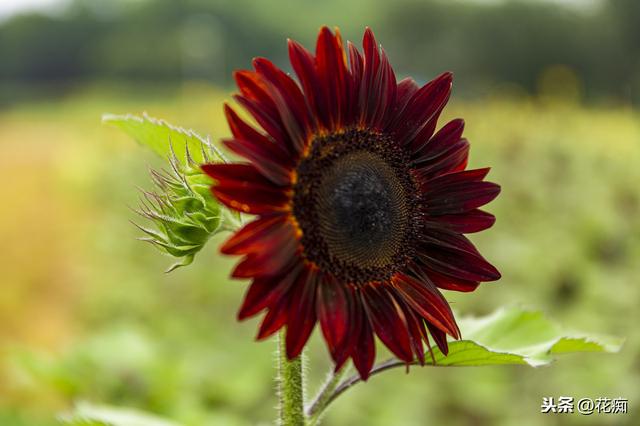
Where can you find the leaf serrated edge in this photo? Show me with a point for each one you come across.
(114, 119)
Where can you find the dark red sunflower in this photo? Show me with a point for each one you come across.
(361, 206)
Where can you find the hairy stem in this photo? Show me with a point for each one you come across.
(316, 408)
(290, 387)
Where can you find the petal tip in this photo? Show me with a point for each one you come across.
(242, 315)
(459, 123)
(369, 38)
(446, 78)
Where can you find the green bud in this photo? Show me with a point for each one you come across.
(183, 210)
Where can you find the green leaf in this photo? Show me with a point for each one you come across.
(507, 337)
(161, 137)
(516, 336)
(86, 414)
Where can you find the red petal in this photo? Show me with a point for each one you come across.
(425, 298)
(333, 314)
(269, 159)
(416, 329)
(251, 198)
(442, 182)
(465, 223)
(304, 64)
(274, 319)
(234, 173)
(407, 87)
(265, 292)
(363, 349)
(453, 159)
(332, 70)
(241, 130)
(257, 100)
(270, 263)
(458, 192)
(356, 66)
(427, 131)
(441, 141)
(453, 254)
(368, 95)
(460, 198)
(302, 312)
(269, 121)
(242, 188)
(253, 87)
(259, 235)
(440, 337)
(423, 106)
(450, 283)
(386, 88)
(289, 102)
(388, 322)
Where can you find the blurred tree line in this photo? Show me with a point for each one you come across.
(512, 45)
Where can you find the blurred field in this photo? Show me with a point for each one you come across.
(87, 313)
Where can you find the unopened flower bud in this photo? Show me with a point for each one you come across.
(183, 210)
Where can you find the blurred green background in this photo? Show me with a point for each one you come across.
(549, 91)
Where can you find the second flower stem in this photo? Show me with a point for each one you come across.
(317, 407)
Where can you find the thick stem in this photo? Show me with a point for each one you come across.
(290, 386)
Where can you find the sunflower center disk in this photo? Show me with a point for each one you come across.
(361, 210)
(354, 203)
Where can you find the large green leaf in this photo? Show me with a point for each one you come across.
(86, 414)
(161, 137)
(506, 337)
(516, 336)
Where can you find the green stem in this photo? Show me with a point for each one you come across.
(316, 409)
(335, 387)
(290, 386)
